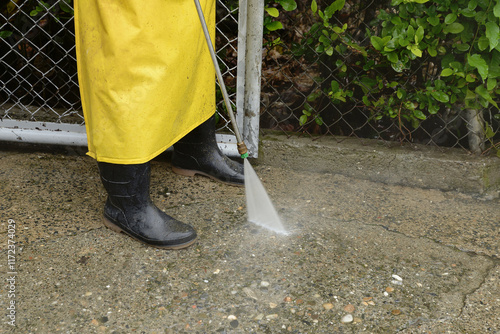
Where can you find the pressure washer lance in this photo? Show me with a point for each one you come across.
(242, 149)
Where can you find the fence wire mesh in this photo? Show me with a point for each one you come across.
(38, 72)
(39, 79)
(38, 63)
(299, 71)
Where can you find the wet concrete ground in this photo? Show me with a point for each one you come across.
(381, 242)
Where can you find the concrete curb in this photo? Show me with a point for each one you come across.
(409, 165)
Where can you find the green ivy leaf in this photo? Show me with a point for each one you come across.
(462, 47)
(433, 20)
(415, 50)
(308, 109)
(433, 108)
(339, 30)
(419, 114)
(432, 51)
(483, 92)
(400, 93)
(469, 95)
(314, 6)
(480, 17)
(483, 43)
(493, 34)
(480, 64)
(396, 20)
(419, 34)
(410, 32)
(272, 11)
(494, 66)
(313, 96)
(403, 42)
(335, 86)
(334, 7)
(496, 10)
(470, 78)
(288, 5)
(366, 101)
(393, 57)
(398, 67)
(450, 18)
(467, 12)
(440, 96)
(303, 119)
(446, 72)
(275, 25)
(491, 84)
(454, 28)
(65, 7)
(489, 133)
(379, 43)
(5, 34)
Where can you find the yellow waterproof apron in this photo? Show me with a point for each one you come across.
(146, 76)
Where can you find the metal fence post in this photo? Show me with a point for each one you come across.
(249, 71)
(475, 127)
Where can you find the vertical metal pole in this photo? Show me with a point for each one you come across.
(241, 70)
(475, 126)
(252, 69)
(241, 145)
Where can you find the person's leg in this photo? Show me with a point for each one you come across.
(129, 208)
(198, 153)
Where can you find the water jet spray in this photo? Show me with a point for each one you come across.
(260, 209)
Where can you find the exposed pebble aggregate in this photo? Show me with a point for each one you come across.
(340, 270)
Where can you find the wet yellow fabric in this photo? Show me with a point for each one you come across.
(145, 73)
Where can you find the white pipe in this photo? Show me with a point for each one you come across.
(75, 135)
(43, 133)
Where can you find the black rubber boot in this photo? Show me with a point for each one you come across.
(198, 153)
(129, 208)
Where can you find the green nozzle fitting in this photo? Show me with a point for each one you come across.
(242, 149)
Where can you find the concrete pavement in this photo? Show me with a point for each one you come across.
(383, 240)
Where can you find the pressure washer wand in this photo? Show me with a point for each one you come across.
(242, 149)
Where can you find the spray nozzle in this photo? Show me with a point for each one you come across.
(242, 149)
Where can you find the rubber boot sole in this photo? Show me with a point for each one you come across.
(191, 173)
(113, 227)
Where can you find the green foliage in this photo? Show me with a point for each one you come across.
(457, 42)
(272, 12)
(35, 8)
(5, 33)
(41, 7)
(309, 114)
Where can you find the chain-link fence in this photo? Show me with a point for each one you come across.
(306, 88)
(38, 63)
(317, 80)
(38, 73)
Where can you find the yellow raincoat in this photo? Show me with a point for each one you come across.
(145, 72)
